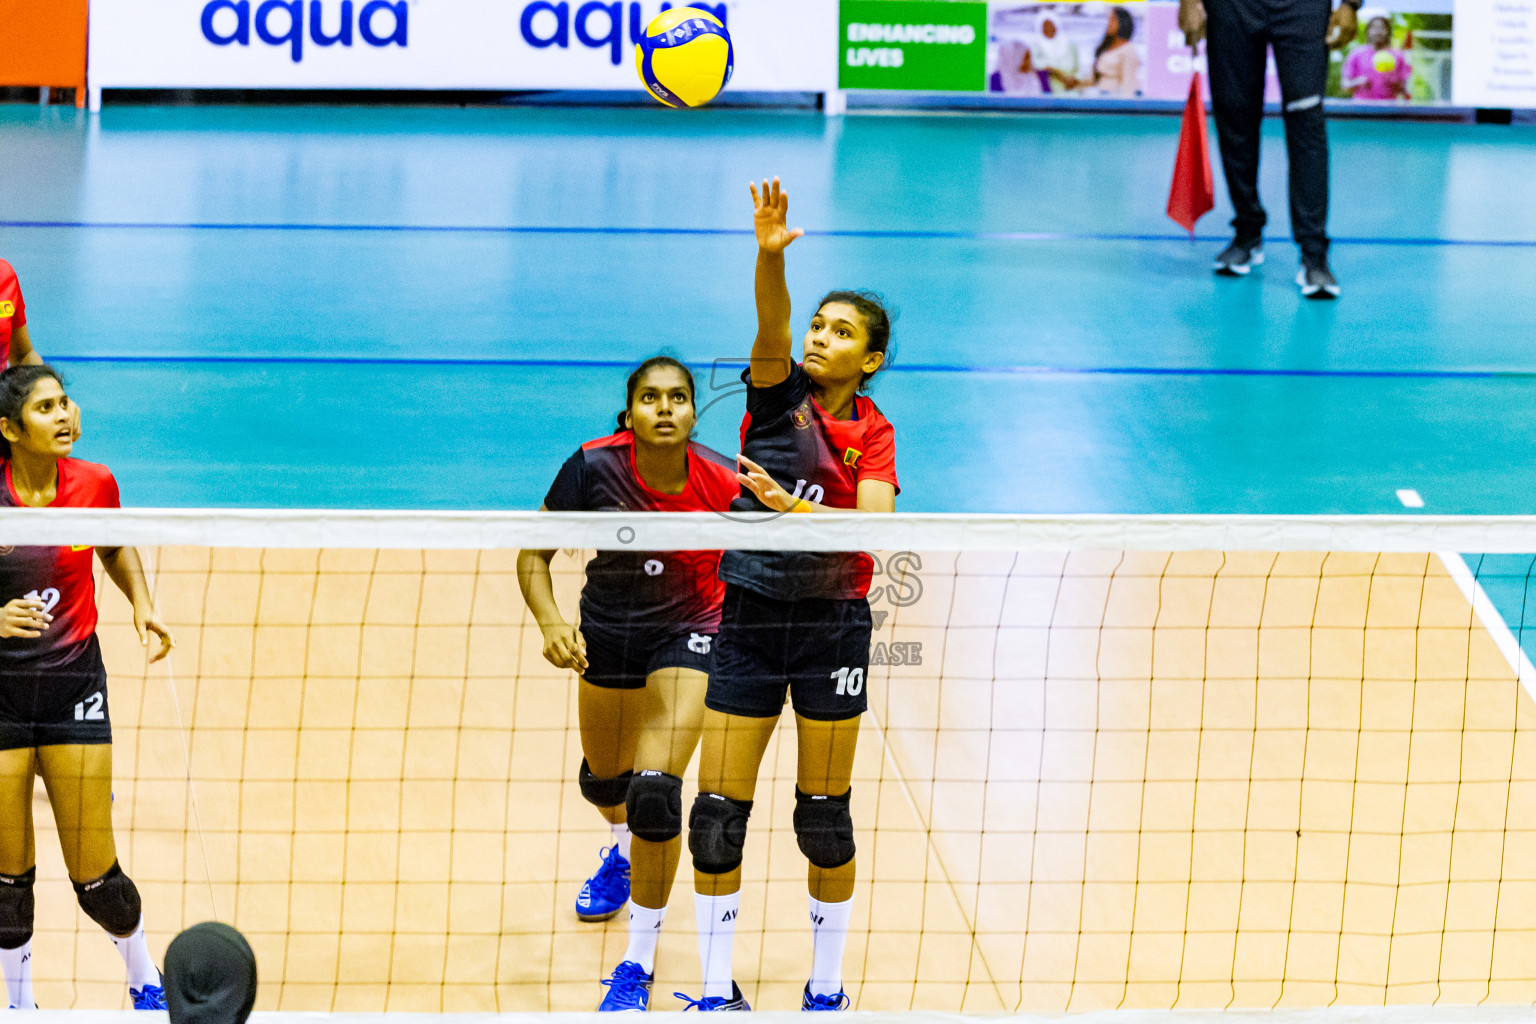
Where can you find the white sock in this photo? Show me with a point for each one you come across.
(135, 953)
(829, 935)
(644, 931)
(716, 917)
(621, 836)
(18, 975)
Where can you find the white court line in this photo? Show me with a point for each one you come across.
(1492, 621)
(1402, 1014)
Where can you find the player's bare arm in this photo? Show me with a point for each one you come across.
(563, 645)
(123, 565)
(772, 350)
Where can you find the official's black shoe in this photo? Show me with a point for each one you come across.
(1239, 258)
(1316, 281)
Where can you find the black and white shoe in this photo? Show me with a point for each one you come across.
(1239, 258)
(1316, 281)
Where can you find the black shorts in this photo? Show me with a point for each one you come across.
(816, 648)
(64, 705)
(621, 661)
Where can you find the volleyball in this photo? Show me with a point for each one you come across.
(685, 57)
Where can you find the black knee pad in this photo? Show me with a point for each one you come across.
(16, 908)
(603, 792)
(717, 831)
(112, 901)
(824, 828)
(655, 806)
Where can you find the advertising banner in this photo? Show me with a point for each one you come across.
(921, 45)
(1134, 50)
(1495, 51)
(1401, 55)
(1073, 50)
(781, 45)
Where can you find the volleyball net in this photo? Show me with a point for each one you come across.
(1174, 762)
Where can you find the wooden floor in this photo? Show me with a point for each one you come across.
(1133, 780)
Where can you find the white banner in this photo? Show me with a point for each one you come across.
(780, 45)
(1495, 53)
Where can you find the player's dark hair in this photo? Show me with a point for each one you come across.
(1122, 26)
(1385, 21)
(877, 316)
(16, 385)
(640, 372)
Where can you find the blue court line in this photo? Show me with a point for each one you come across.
(735, 366)
(970, 236)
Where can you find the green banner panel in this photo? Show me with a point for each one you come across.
(938, 45)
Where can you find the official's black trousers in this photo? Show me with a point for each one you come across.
(1238, 33)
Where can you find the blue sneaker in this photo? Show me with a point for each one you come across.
(606, 892)
(812, 1003)
(629, 990)
(736, 1002)
(150, 997)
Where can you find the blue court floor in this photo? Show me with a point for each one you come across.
(430, 308)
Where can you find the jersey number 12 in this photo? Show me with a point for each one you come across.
(89, 710)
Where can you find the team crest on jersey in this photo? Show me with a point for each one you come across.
(7, 309)
(802, 417)
(851, 457)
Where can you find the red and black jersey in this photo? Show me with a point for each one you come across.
(61, 578)
(819, 458)
(645, 590)
(13, 311)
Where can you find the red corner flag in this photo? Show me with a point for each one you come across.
(1192, 195)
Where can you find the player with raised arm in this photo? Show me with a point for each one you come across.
(795, 621)
(643, 652)
(53, 688)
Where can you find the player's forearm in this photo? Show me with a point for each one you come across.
(22, 352)
(127, 572)
(538, 587)
(774, 341)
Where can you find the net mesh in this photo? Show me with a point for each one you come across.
(1088, 779)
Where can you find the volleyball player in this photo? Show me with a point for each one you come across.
(795, 621)
(53, 689)
(643, 651)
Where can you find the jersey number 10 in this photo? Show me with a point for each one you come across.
(813, 493)
(850, 681)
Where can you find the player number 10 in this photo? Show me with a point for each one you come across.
(813, 494)
(850, 681)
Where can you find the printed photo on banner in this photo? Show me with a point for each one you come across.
(1401, 55)
(1085, 50)
(1170, 62)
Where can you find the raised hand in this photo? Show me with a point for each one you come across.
(770, 217)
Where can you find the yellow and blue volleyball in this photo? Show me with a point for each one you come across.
(685, 57)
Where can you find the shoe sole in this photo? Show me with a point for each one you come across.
(1315, 291)
(1240, 269)
(590, 918)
